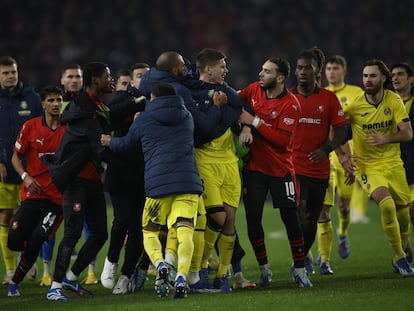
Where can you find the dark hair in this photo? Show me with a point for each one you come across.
(383, 68)
(50, 89)
(282, 64)
(7, 61)
(408, 69)
(208, 57)
(137, 66)
(121, 73)
(70, 66)
(94, 69)
(337, 59)
(315, 54)
(162, 89)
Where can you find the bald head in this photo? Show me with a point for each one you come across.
(171, 62)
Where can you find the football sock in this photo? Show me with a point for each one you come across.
(210, 238)
(185, 249)
(171, 245)
(47, 249)
(343, 223)
(198, 239)
(225, 246)
(153, 246)
(9, 256)
(391, 227)
(403, 216)
(325, 239)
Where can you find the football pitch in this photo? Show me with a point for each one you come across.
(363, 281)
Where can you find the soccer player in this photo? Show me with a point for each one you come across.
(402, 81)
(335, 71)
(75, 170)
(379, 122)
(40, 213)
(172, 183)
(321, 111)
(217, 163)
(18, 103)
(122, 80)
(124, 181)
(270, 166)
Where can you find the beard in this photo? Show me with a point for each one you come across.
(372, 90)
(268, 85)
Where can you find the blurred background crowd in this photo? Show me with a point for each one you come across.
(44, 35)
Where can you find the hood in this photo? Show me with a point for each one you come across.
(168, 110)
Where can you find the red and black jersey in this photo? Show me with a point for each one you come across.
(35, 140)
(320, 111)
(279, 114)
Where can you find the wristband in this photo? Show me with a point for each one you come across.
(23, 176)
(256, 121)
(327, 149)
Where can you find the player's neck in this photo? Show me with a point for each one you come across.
(306, 90)
(53, 122)
(375, 99)
(404, 93)
(337, 85)
(274, 92)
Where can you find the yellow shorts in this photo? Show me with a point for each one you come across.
(9, 195)
(221, 184)
(392, 178)
(330, 191)
(167, 210)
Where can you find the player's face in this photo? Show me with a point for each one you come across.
(305, 72)
(8, 76)
(268, 75)
(400, 79)
(335, 73)
(52, 104)
(105, 82)
(122, 83)
(217, 72)
(372, 79)
(181, 66)
(72, 80)
(137, 76)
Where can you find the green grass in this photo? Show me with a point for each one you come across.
(364, 281)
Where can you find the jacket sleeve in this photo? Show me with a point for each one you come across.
(127, 142)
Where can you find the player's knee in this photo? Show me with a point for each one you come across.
(216, 218)
(15, 241)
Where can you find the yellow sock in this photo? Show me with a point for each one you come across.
(225, 246)
(185, 249)
(210, 238)
(9, 256)
(198, 239)
(172, 242)
(343, 223)
(359, 199)
(325, 239)
(403, 216)
(153, 246)
(391, 227)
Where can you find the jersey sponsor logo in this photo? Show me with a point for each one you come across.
(377, 125)
(288, 121)
(25, 113)
(310, 120)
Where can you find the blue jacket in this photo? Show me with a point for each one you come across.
(230, 112)
(210, 121)
(205, 120)
(15, 109)
(165, 130)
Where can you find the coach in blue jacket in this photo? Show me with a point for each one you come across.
(172, 183)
